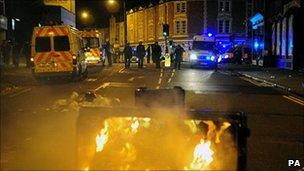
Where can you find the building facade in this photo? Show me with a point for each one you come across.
(277, 37)
(224, 19)
(3, 21)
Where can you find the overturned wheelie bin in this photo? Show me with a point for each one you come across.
(158, 133)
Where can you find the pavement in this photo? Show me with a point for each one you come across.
(39, 119)
(292, 81)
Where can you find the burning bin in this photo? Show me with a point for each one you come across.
(154, 137)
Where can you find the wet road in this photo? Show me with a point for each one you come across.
(38, 122)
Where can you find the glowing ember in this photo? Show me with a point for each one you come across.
(202, 156)
(102, 138)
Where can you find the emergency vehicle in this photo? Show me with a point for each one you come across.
(92, 43)
(57, 51)
(203, 52)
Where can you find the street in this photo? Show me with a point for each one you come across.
(38, 120)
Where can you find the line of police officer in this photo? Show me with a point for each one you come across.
(177, 54)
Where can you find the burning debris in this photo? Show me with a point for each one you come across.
(137, 143)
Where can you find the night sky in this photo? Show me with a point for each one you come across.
(100, 14)
(30, 12)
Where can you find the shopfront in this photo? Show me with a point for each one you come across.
(286, 41)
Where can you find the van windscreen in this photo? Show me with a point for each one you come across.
(61, 43)
(43, 44)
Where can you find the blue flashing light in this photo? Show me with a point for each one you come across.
(256, 45)
(212, 58)
(220, 43)
(208, 57)
(224, 46)
(209, 34)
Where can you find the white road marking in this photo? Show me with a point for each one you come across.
(157, 87)
(91, 79)
(20, 92)
(161, 70)
(161, 74)
(173, 70)
(121, 70)
(131, 79)
(294, 99)
(252, 82)
(104, 85)
(169, 80)
(160, 80)
(172, 74)
(140, 77)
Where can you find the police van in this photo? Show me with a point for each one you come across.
(57, 51)
(203, 52)
(92, 43)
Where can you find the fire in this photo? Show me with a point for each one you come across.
(202, 156)
(135, 125)
(102, 137)
(86, 169)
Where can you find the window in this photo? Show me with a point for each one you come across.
(183, 8)
(92, 42)
(178, 8)
(183, 28)
(221, 26)
(227, 26)
(227, 6)
(221, 6)
(180, 27)
(43, 44)
(177, 23)
(201, 45)
(61, 43)
(224, 26)
(224, 6)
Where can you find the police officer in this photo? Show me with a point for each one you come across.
(128, 55)
(178, 56)
(156, 54)
(108, 50)
(140, 53)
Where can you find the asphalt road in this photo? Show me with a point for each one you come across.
(38, 121)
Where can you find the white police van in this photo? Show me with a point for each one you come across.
(202, 53)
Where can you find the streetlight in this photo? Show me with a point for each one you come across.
(84, 14)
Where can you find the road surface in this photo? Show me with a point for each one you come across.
(38, 121)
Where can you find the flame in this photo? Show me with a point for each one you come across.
(202, 156)
(86, 169)
(102, 137)
(134, 125)
(220, 132)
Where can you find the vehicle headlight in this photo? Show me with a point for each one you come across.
(212, 58)
(193, 57)
(219, 59)
(226, 56)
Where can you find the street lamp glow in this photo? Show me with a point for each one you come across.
(84, 15)
(111, 1)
